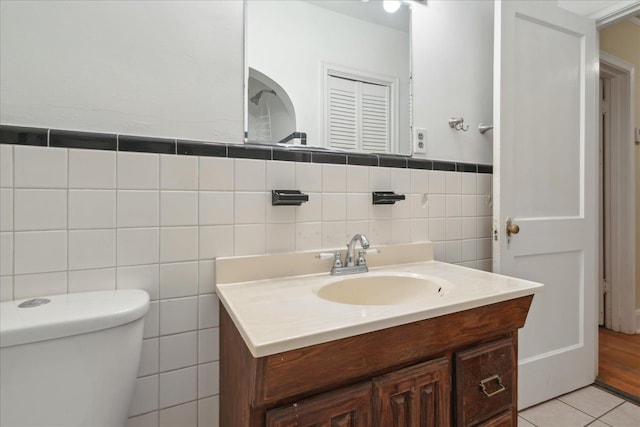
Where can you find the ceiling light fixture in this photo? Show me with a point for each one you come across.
(391, 6)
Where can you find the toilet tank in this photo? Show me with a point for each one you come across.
(70, 360)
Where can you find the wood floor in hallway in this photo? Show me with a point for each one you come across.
(619, 363)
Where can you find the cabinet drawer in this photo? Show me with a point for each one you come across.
(348, 407)
(485, 381)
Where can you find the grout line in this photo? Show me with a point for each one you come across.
(530, 422)
(577, 409)
(611, 410)
(115, 207)
(197, 332)
(67, 194)
(158, 279)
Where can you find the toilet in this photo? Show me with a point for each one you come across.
(70, 360)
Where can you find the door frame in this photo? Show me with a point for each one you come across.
(616, 11)
(620, 307)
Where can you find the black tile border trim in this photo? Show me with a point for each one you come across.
(290, 156)
(362, 160)
(444, 166)
(87, 140)
(194, 148)
(329, 157)
(392, 161)
(24, 135)
(141, 144)
(43, 137)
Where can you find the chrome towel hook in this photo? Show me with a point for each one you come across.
(484, 128)
(457, 123)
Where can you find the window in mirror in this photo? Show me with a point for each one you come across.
(359, 113)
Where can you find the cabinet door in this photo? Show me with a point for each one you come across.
(347, 407)
(485, 381)
(417, 396)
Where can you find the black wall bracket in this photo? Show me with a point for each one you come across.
(386, 197)
(288, 198)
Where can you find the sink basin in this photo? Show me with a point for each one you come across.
(384, 289)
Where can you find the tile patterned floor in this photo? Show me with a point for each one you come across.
(589, 406)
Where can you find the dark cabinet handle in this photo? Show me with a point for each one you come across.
(288, 198)
(386, 197)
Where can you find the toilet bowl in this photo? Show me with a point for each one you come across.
(70, 360)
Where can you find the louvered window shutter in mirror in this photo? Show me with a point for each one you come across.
(375, 118)
(358, 115)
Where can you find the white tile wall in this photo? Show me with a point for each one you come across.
(178, 351)
(178, 387)
(138, 208)
(6, 165)
(92, 209)
(178, 244)
(137, 246)
(178, 172)
(37, 167)
(161, 219)
(33, 285)
(145, 398)
(98, 279)
(216, 174)
(178, 279)
(39, 210)
(92, 169)
(6, 209)
(138, 171)
(334, 178)
(178, 208)
(249, 175)
(185, 415)
(39, 251)
(85, 251)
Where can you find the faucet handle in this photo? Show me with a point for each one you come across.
(325, 255)
(337, 262)
(363, 252)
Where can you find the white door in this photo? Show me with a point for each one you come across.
(545, 179)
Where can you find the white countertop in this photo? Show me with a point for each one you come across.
(281, 314)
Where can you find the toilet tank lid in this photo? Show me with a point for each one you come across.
(69, 314)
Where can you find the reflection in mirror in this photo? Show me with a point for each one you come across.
(271, 114)
(331, 73)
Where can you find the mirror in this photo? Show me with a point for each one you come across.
(328, 73)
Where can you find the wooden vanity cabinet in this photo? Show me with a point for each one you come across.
(414, 396)
(425, 373)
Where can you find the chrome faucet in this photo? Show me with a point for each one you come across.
(351, 264)
(351, 247)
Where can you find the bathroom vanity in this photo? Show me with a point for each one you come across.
(290, 357)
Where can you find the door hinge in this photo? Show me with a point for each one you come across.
(495, 234)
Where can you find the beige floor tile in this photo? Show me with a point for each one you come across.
(591, 400)
(625, 415)
(598, 423)
(556, 414)
(524, 423)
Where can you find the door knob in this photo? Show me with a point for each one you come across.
(511, 229)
